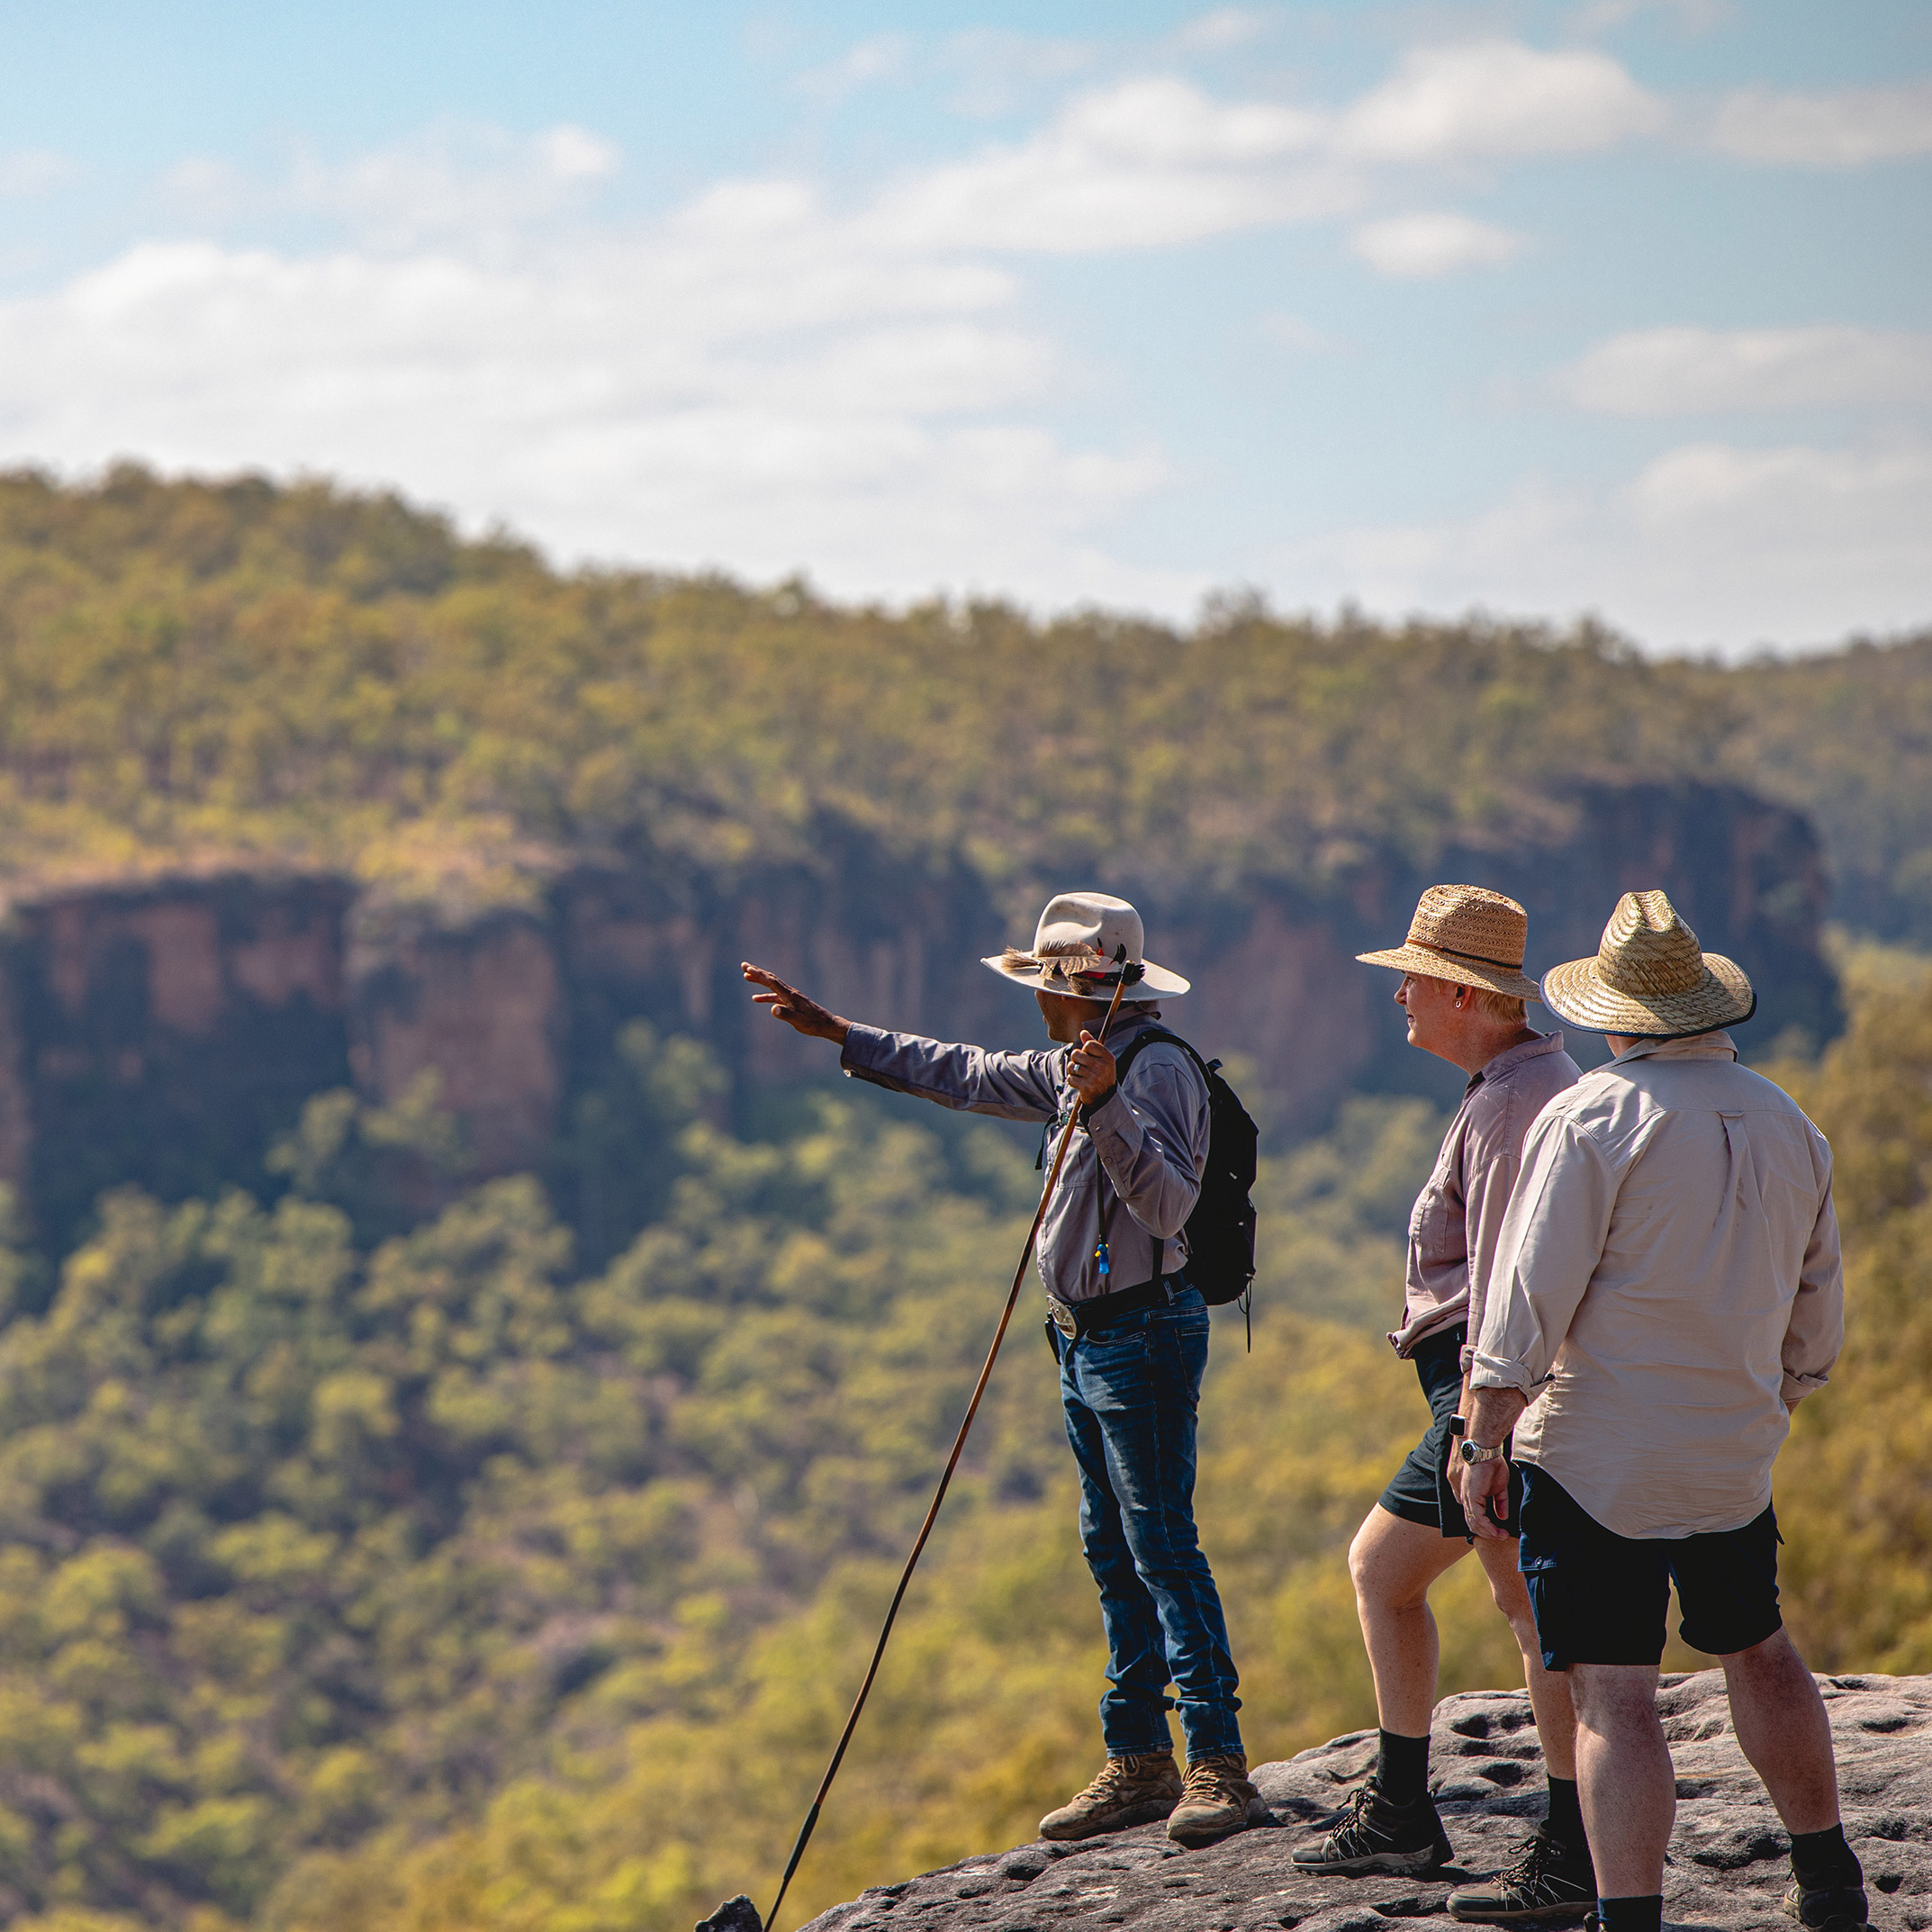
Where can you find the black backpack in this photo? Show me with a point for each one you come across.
(1221, 1229)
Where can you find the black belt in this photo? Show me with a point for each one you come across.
(1073, 1319)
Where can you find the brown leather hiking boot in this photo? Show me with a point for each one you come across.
(1129, 1790)
(1216, 1801)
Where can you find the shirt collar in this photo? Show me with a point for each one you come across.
(1717, 1044)
(1515, 1056)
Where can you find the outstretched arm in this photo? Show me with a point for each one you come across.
(788, 1004)
(1012, 1086)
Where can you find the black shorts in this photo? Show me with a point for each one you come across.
(1601, 1598)
(1421, 1492)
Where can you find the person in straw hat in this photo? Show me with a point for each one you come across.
(1463, 990)
(1667, 1284)
(1128, 1330)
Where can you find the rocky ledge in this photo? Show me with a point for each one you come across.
(1727, 1866)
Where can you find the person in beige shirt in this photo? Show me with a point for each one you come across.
(1463, 989)
(1666, 1288)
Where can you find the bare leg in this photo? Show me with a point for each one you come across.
(1392, 1563)
(1782, 1727)
(1550, 1690)
(1628, 1785)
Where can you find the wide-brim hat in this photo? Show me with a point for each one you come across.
(1650, 978)
(1076, 948)
(1467, 933)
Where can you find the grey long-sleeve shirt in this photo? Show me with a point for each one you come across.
(1149, 1138)
(1668, 1277)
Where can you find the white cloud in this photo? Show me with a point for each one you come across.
(996, 71)
(1144, 163)
(1849, 128)
(1678, 372)
(755, 380)
(1710, 545)
(1690, 16)
(456, 180)
(28, 172)
(1415, 247)
(883, 56)
(1297, 336)
(1155, 160)
(1498, 98)
(1214, 32)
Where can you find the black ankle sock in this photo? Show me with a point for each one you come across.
(1566, 1824)
(1824, 1858)
(1631, 1915)
(1402, 1768)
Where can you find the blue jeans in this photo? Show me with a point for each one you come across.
(1130, 1392)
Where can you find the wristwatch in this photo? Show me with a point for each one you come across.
(1475, 1452)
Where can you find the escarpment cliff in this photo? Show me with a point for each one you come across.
(162, 1031)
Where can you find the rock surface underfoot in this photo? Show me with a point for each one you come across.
(1728, 1867)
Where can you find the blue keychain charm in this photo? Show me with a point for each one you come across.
(1100, 1257)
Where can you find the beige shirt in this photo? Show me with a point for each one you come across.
(1458, 1215)
(1669, 1277)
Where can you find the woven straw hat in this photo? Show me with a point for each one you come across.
(1467, 933)
(1650, 978)
(1074, 945)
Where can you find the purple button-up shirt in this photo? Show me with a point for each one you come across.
(1459, 1215)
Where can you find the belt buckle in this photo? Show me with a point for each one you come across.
(1062, 1318)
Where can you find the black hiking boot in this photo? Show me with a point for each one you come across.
(1548, 1883)
(1828, 1908)
(1372, 1835)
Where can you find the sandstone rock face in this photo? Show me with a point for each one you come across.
(1728, 1869)
(162, 1031)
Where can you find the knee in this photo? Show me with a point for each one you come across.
(1362, 1565)
(1379, 1585)
(1612, 1701)
(1512, 1599)
(1164, 1542)
(1773, 1663)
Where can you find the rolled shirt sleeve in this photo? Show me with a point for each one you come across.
(1816, 1332)
(1551, 1237)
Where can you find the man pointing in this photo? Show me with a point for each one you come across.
(1129, 1329)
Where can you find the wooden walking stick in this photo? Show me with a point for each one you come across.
(740, 1914)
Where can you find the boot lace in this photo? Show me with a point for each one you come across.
(1537, 1860)
(1115, 1773)
(1208, 1779)
(1539, 1871)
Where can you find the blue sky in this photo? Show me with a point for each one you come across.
(1617, 306)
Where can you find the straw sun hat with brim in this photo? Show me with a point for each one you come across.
(1650, 978)
(1074, 948)
(1469, 935)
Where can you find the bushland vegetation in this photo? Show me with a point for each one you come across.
(421, 1579)
(218, 672)
(361, 1569)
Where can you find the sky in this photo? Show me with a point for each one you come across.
(1610, 307)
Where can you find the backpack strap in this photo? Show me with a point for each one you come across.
(1147, 1036)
